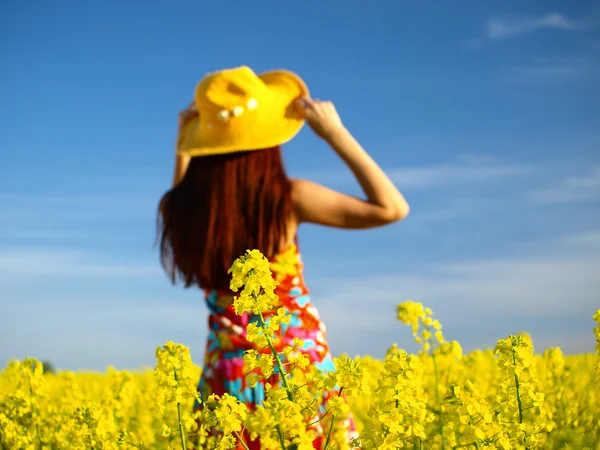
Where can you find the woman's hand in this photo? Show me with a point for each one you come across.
(321, 117)
(187, 114)
(317, 204)
(182, 161)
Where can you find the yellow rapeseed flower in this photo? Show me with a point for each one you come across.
(505, 398)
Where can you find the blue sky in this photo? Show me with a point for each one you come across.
(485, 115)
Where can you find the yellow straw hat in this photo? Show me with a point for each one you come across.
(240, 111)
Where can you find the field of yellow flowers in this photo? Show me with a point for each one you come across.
(505, 398)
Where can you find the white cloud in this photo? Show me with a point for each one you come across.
(460, 209)
(93, 331)
(79, 204)
(43, 234)
(572, 189)
(420, 218)
(555, 70)
(568, 343)
(504, 287)
(590, 238)
(26, 262)
(469, 169)
(73, 217)
(505, 27)
(431, 177)
(549, 292)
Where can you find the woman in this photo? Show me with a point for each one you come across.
(231, 193)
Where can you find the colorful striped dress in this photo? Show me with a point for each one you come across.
(223, 370)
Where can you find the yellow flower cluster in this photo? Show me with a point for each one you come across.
(253, 272)
(421, 320)
(399, 416)
(502, 398)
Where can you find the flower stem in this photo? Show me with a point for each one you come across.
(181, 433)
(282, 371)
(319, 419)
(518, 391)
(329, 433)
(518, 388)
(332, 422)
(281, 439)
(241, 440)
(134, 445)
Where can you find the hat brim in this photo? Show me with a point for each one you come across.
(276, 124)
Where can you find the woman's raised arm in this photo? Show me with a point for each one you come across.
(317, 204)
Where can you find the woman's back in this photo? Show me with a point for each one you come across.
(224, 205)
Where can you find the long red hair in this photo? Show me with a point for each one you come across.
(224, 205)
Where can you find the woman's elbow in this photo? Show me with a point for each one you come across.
(397, 213)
